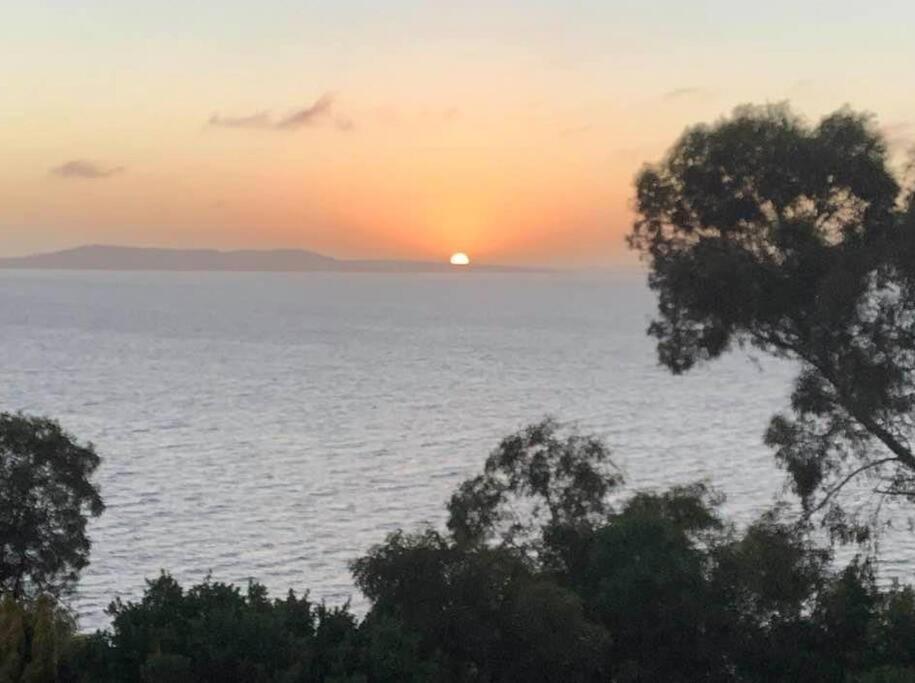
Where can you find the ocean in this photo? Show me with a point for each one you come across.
(275, 426)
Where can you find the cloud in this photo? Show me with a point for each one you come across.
(321, 112)
(309, 116)
(681, 93)
(259, 120)
(87, 170)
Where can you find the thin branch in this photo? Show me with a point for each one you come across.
(848, 478)
(902, 452)
(895, 492)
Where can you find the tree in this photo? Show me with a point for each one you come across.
(796, 240)
(219, 632)
(46, 493)
(662, 588)
(478, 613)
(539, 492)
(646, 581)
(657, 587)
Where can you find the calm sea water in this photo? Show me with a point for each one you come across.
(274, 426)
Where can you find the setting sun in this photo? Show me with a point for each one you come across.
(460, 259)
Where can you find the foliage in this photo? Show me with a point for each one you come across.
(662, 589)
(538, 578)
(666, 590)
(656, 587)
(217, 632)
(538, 492)
(34, 636)
(45, 496)
(761, 230)
(478, 613)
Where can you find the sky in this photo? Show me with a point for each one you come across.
(399, 128)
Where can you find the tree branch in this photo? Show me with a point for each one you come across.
(845, 480)
(902, 452)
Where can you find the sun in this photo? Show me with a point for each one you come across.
(459, 258)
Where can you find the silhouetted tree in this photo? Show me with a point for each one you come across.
(661, 588)
(218, 632)
(46, 493)
(797, 240)
(539, 492)
(479, 613)
(658, 587)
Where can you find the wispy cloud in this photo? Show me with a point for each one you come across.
(259, 120)
(86, 170)
(682, 93)
(321, 112)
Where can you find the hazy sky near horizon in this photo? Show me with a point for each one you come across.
(510, 130)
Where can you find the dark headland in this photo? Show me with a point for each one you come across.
(100, 257)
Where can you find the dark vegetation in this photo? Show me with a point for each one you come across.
(45, 496)
(797, 241)
(548, 571)
(759, 231)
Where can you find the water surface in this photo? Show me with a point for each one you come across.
(275, 426)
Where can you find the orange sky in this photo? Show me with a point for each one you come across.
(508, 130)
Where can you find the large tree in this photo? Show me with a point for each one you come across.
(795, 239)
(46, 496)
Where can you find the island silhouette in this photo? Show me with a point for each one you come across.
(106, 257)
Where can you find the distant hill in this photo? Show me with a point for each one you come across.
(99, 257)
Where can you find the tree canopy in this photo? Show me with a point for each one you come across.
(658, 586)
(797, 240)
(46, 496)
(538, 488)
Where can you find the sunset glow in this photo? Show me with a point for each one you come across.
(389, 130)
